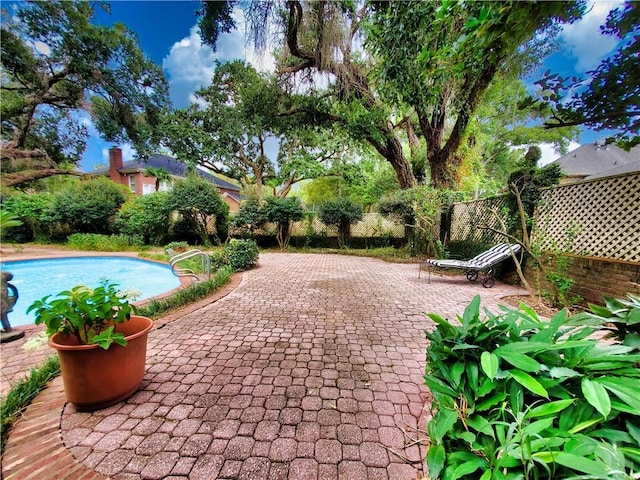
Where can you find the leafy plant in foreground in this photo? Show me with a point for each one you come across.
(517, 397)
(620, 317)
(87, 314)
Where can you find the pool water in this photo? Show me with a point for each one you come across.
(36, 278)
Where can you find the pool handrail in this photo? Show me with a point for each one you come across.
(186, 272)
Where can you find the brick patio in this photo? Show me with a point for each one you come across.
(311, 368)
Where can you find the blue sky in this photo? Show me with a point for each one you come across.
(167, 32)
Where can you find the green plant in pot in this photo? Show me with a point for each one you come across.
(101, 345)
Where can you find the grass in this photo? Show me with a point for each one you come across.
(156, 308)
(23, 392)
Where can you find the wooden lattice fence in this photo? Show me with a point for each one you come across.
(599, 218)
(471, 219)
(372, 225)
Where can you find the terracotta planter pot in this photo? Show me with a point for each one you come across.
(96, 378)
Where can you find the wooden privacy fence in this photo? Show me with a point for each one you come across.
(598, 218)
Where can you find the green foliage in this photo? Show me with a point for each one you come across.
(447, 54)
(23, 392)
(517, 397)
(215, 18)
(619, 317)
(197, 291)
(177, 246)
(419, 208)
(90, 206)
(218, 259)
(283, 211)
(555, 267)
(527, 181)
(340, 213)
(35, 211)
(104, 243)
(561, 283)
(147, 216)
(249, 217)
(228, 136)
(242, 254)
(161, 174)
(95, 68)
(87, 314)
(198, 201)
(8, 221)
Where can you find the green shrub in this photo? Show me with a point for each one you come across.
(283, 212)
(35, 211)
(249, 217)
(147, 216)
(198, 202)
(242, 254)
(341, 214)
(516, 397)
(104, 243)
(219, 258)
(177, 246)
(90, 206)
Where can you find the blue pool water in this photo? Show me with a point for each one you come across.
(36, 278)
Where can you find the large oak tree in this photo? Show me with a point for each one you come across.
(420, 76)
(57, 64)
(229, 128)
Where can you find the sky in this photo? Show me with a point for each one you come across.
(167, 33)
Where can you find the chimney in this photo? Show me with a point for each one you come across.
(115, 163)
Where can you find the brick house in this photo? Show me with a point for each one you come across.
(132, 174)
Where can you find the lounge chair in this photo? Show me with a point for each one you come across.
(480, 263)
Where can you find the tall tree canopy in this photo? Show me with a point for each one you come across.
(55, 64)
(421, 76)
(229, 128)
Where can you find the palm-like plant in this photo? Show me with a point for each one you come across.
(161, 175)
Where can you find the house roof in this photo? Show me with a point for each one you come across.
(595, 159)
(622, 169)
(173, 166)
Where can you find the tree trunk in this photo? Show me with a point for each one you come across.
(392, 152)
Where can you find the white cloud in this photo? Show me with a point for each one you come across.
(583, 38)
(189, 67)
(549, 153)
(42, 48)
(190, 64)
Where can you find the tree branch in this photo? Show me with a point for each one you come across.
(599, 118)
(19, 178)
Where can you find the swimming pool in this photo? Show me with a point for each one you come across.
(36, 278)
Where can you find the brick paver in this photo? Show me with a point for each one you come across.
(310, 369)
